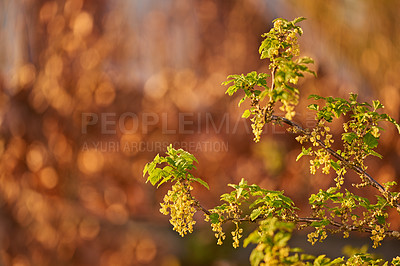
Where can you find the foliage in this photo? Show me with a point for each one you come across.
(334, 210)
(280, 46)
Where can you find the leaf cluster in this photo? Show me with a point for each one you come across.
(279, 47)
(361, 131)
(343, 210)
(261, 203)
(178, 163)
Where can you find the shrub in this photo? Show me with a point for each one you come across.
(335, 210)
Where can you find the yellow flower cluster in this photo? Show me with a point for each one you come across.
(302, 138)
(288, 107)
(318, 234)
(233, 213)
(339, 179)
(217, 228)
(278, 25)
(396, 261)
(293, 47)
(236, 235)
(258, 124)
(179, 203)
(322, 157)
(289, 37)
(319, 132)
(378, 234)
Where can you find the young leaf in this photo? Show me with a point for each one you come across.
(254, 214)
(319, 261)
(305, 60)
(246, 114)
(303, 152)
(377, 105)
(315, 97)
(242, 100)
(349, 137)
(335, 165)
(299, 19)
(370, 141)
(353, 98)
(164, 180)
(239, 192)
(201, 181)
(313, 107)
(391, 120)
(374, 153)
(145, 169)
(155, 176)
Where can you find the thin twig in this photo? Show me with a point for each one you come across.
(310, 220)
(199, 207)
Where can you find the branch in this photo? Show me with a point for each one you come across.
(199, 207)
(356, 168)
(309, 220)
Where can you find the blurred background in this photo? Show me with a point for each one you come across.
(91, 90)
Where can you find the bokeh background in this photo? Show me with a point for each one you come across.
(91, 90)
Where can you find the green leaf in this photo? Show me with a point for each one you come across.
(338, 261)
(391, 120)
(305, 60)
(374, 153)
(239, 192)
(286, 200)
(319, 260)
(349, 137)
(145, 169)
(299, 19)
(164, 180)
(303, 152)
(315, 97)
(227, 197)
(168, 169)
(242, 100)
(381, 219)
(304, 257)
(313, 107)
(254, 214)
(155, 176)
(246, 114)
(377, 105)
(370, 141)
(389, 184)
(231, 90)
(150, 168)
(320, 223)
(257, 201)
(214, 218)
(335, 165)
(201, 181)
